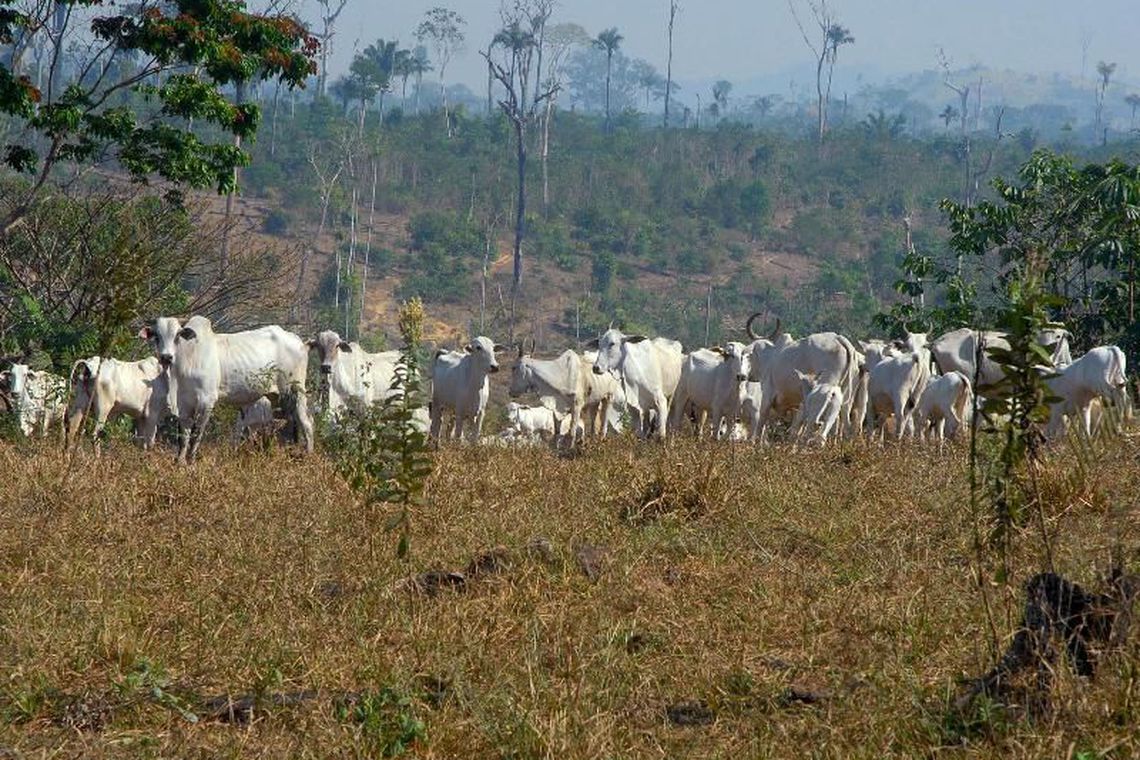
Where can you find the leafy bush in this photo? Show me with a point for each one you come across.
(387, 719)
(276, 222)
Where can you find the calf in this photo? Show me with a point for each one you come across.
(946, 404)
(820, 411)
(108, 388)
(532, 421)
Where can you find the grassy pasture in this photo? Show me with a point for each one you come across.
(731, 586)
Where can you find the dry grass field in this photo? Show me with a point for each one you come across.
(631, 601)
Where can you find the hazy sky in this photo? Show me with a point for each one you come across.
(742, 39)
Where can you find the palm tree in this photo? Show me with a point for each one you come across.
(419, 65)
(720, 92)
(402, 68)
(378, 64)
(1134, 101)
(948, 115)
(608, 40)
(1105, 70)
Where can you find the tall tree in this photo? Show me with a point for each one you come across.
(377, 64)
(609, 41)
(402, 67)
(720, 93)
(558, 41)
(330, 12)
(420, 64)
(1105, 70)
(517, 71)
(673, 8)
(1133, 101)
(648, 78)
(443, 27)
(831, 36)
(200, 46)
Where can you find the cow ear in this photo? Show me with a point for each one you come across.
(634, 338)
(344, 346)
(593, 344)
(146, 333)
(187, 333)
(469, 348)
(311, 343)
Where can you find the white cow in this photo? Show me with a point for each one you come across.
(459, 384)
(894, 384)
(532, 421)
(355, 377)
(606, 401)
(39, 398)
(106, 388)
(204, 368)
(957, 351)
(776, 360)
(945, 406)
(649, 371)
(711, 382)
(562, 383)
(1097, 374)
(820, 411)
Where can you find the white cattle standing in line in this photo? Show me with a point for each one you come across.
(649, 371)
(820, 411)
(355, 376)
(945, 406)
(711, 382)
(459, 383)
(204, 368)
(106, 388)
(776, 360)
(40, 398)
(1097, 374)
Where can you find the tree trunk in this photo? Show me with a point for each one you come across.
(367, 246)
(351, 261)
(821, 105)
(545, 155)
(669, 62)
(520, 221)
(273, 130)
(609, 65)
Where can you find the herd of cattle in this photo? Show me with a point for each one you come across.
(823, 384)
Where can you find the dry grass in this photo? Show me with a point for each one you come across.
(726, 578)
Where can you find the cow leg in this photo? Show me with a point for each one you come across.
(436, 415)
(662, 406)
(201, 421)
(477, 430)
(1086, 419)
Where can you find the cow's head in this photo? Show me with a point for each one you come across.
(521, 373)
(610, 347)
(483, 349)
(165, 333)
(1056, 341)
(84, 371)
(329, 345)
(739, 357)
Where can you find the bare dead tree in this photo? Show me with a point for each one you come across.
(330, 12)
(673, 8)
(518, 71)
(832, 35)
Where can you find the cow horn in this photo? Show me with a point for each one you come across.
(520, 348)
(775, 330)
(533, 345)
(748, 327)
